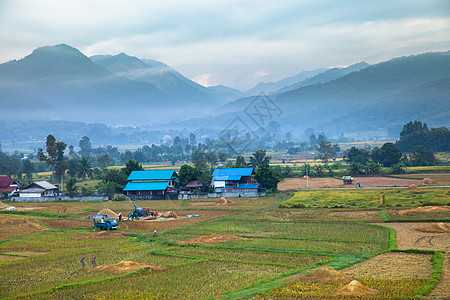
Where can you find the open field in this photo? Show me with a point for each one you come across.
(365, 181)
(245, 249)
(361, 198)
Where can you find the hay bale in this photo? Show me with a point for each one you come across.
(326, 275)
(435, 228)
(429, 181)
(109, 213)
(169, 214)
(126, 267)
(413, 187)
(355, 288)
(224, 201)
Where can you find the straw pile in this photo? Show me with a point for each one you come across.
(169, 214)
(126, 267)
(435, 228)
(109, 213)
(225, 201)
(355, 288)
(326, 275)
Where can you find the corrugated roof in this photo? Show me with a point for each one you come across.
(233, 172)
(6, 181)
(226, 177)
(31, 190)
(146, 186)
(46, 185)
(152, 175)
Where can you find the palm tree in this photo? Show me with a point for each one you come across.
(259, 158)
(85, 168)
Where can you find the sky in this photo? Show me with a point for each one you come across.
(233, 43)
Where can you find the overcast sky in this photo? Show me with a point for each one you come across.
(235, 43)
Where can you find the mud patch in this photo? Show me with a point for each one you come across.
(210, 239)
(15, 227)
(435, 228)
(425, 209)
(126, 267)
(68, 223)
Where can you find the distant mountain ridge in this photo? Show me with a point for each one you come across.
(270, 87)
(324, 77)
(378, 96)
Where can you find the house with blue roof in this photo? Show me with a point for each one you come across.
(151, 184)
(234, 180)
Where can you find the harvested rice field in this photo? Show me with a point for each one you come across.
(230, 249)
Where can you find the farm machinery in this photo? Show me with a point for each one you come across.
(140, 212)
(102, 222)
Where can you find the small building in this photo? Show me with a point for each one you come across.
(191, 186)
(39, 189)
(347, 179)
(9, 184)
(233, 179)
(150, 183)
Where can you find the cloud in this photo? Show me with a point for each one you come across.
(231, 41)
(203, 79)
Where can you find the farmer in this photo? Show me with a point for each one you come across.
(120, 216)
(154, 233)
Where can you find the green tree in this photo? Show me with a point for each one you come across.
(372, 168)
(55, 152)
(104, 161)
(423, 157)
(240, 161)
(71, 186)
(130, 166)
(326, 152)
(187, 174)
(85, 146)
(357, 155)
(28, 169)
(259, 158)
(267, 177)
(85, 168)
(388, 155)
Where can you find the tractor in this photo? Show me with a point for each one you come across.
(102, 222)
(140, 212)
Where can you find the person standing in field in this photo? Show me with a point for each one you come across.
(120, 216)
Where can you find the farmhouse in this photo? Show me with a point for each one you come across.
(39, 189)
(151, 184)
(9, 184)
(234, 180)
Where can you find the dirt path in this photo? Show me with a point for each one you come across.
(408, 237)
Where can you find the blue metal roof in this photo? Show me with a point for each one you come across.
(146, 186)
(248, 186)
(227, 177)
(233, 172)
(152, 175)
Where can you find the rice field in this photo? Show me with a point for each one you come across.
(249, 248)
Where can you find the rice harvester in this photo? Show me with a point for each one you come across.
(140, 212)
(102, 222)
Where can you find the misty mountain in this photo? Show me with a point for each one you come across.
(378, 96)
(166, 79)
(60, 82)
(270, 87)
(323, 77)
(225, 92)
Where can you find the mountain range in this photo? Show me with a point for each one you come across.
(61, 83)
